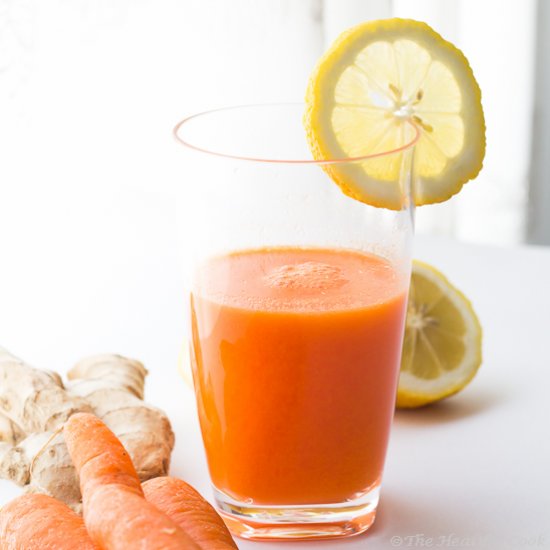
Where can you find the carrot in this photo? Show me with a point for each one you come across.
(186, 507)
(115, 511)
(40, 522)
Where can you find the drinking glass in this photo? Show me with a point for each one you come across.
(297, 301)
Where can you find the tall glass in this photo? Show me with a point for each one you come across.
(297, 301)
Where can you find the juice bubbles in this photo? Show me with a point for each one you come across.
(296, 356)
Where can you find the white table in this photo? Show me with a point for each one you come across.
(471, 472)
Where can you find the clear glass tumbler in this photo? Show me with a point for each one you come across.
(297, 302)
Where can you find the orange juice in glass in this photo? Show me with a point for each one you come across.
(297, 301)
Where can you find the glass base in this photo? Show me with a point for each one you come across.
(319, 521)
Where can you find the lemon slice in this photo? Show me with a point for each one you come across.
(442, 347)
(377, 85)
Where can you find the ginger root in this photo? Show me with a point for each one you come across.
(113, 385)
(12, 464)
(34, 400)
(35, 404)
(10, 433)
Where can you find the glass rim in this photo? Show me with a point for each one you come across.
(341, 160)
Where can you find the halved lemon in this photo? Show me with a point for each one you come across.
(377, 85)
(442, 347)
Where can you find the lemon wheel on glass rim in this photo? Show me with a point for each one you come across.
(376, 80)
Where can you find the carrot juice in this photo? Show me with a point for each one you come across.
(296, 357)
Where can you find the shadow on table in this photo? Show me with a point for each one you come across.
(411, 517)
(454, 408)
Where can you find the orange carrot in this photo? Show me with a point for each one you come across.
(39, 522)
(115, 511)
(186, 507)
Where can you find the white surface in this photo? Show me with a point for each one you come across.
(474, 467)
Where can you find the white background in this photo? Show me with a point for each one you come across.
(89, 90)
